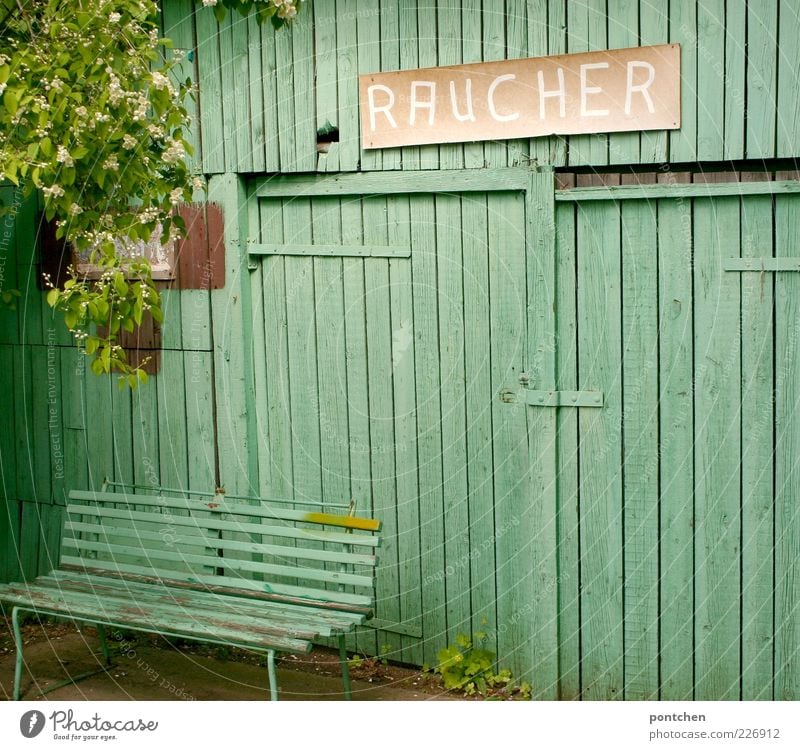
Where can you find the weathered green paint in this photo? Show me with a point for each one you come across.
(606, 550)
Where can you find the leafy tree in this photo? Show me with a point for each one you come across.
(94, 118)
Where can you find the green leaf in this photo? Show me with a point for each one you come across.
(52, 297)
(11, 101)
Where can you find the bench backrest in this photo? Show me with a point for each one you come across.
(255, 549)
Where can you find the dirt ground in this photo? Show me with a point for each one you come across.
(150, 668)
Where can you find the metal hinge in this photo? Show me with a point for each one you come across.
(591, 399)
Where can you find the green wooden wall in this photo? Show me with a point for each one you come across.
(264, 95)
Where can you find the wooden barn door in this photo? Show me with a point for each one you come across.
(391, 324)
(678, 499)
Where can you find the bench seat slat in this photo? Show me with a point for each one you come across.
(174, 591)
(291, 532)
(214, 561)
(268, 622)
(322, 621)
(299, 553)
(317, 596)
(128, 614)
(220, 505)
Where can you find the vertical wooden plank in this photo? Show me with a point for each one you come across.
(381, 414)
(326, 73)
(653, 29)
(787, 476)
(273, 368)
(736, 16)
(788, 105)
(255, 92)
(429, 445)
(178, 18)
(409, 59)
(405, 430)
(8, 468)
(357, 389)
(472, 51)
(758, 492)
(477, 371)
(512, 481)
(199, 420)
(676, 437)
(122, 419)
(717, 455)
(210, 96)
(284, 91)
(269, 81)
(567, 510)
(450, 273)
(427, 41)
(40, 423)
(29, 540)
(172, 424)
(11, 198)
(302, 336)
(540, 524)
(761, 78)
(232, 106)
(710, 91)
(332, 355)
(557, 45)
(99, 428)
(23, 423)
(390, 60)
(369, 61)
(55, 424)
(51, 519)
(640, 447)
(683, 30)
(347, 71)
(518, 152)
(494, 48)
(232, 330)
(448, 21)
(73, 377)
(623, 31)
(146, 449)
(538, 31)
(586, 31)
(302, 87)
(599, 359)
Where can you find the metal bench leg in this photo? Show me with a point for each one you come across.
(18, 643)
(273, 676)
(348, 691)
(101, 632)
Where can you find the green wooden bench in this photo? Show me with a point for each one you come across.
(253, 574)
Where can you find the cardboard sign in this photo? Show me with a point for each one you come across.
(592, 92)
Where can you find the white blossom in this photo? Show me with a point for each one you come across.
(81, 111)
(75, 209)
(129, 142)
(63, 157)
(55, 191)
(209, 3)
(114, 17)
(176, 196)
(174, 152)
(111, 162)
(160, 81)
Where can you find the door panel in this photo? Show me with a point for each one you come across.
(678, 499)
(377, 367)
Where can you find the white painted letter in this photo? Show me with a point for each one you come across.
(640, 87)
(454, 101)
(490, 96)
(430, 105)
(560, 92)
(386, 108)
(586, 90)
